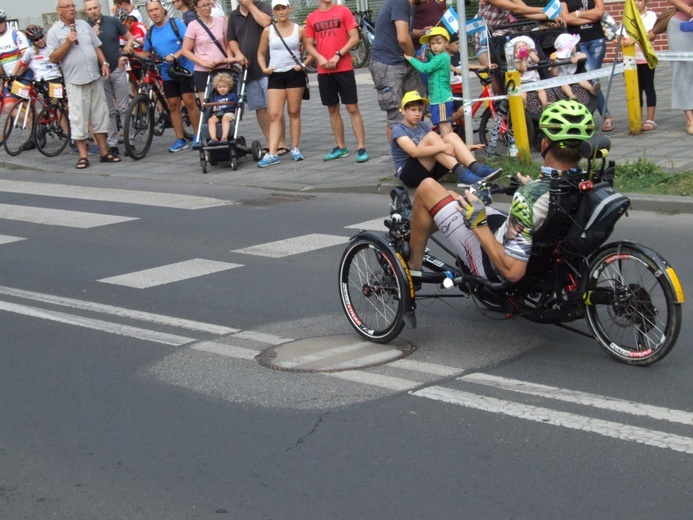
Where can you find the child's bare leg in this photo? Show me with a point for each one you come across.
(568, 91)
(588, 87)
(225, 125)
(445, 128)
(543, 98)
(212, 126)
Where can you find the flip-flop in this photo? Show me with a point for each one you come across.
(110, 158)
(282, 150)
(82, 163)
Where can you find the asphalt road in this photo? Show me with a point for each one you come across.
(131, 312)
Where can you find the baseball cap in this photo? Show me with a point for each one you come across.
(435, 31)
(411, 96)
(276, 3)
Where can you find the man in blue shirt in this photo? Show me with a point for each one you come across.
(163, 41)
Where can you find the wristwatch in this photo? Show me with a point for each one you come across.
(339, 53)
(105, 63)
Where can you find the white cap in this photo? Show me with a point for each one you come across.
(276, 3)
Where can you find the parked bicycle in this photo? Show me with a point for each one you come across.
(52, 125)
(19, 124)
(148, 114)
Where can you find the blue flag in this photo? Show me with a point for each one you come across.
(450, 20)
(475, 25)
(553, 9)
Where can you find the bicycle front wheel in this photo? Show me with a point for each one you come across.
(138, 127)
(361, 53)
(496, 131)
(52, 130)
(18, 128)
(641, 323)
(372, 288)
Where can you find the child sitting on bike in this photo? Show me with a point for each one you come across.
(223, 86)
(566, 47)
(419, 153)
(438, 69)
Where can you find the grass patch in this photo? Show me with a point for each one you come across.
(640, 176)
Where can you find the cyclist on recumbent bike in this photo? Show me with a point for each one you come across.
(503, 253)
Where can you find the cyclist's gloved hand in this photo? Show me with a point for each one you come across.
(474, 214)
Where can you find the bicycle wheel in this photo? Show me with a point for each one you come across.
(362, 52)
(3, 117)
(371, 288)
(52, 130)
(18, 128)
(497, 132)
(642, 322)
(139, 127)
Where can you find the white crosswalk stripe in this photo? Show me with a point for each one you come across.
(169, 273)
(6, 239)
(145, 198)
(293, 246)
(58, 217)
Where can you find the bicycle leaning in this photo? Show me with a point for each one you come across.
(148, 114)
(629, 295)
(52, 126)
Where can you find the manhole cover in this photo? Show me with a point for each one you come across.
(332, 354)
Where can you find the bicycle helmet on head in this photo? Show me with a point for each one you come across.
(33, 32)
(565, 121)
(121, 14)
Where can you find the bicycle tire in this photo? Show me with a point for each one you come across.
(503, 123)
(18, 128)
(641, 325)
(371, 288)
(52, 130)
(138, 127)
(3, 118)
(362, 52)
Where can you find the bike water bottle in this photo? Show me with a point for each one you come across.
(512, 147)
(509, 55)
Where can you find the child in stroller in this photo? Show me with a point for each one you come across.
(223, 87)
(566, 48)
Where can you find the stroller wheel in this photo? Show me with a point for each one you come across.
(256, 150)
(203, 163)
(234, 163)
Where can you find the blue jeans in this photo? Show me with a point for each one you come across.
(595, 50)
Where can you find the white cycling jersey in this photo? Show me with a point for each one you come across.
(38, 62)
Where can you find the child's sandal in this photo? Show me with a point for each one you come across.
(648, 126)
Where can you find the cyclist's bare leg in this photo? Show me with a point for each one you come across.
(176, 116)
(193, 111)
(357, 124)
(429, 193)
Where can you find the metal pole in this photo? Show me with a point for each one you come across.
(464, 65)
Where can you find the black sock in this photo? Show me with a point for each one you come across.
(475, 167)
(459, 170)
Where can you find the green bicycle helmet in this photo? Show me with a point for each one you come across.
(567, 120)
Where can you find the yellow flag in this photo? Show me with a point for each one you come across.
(632, 22)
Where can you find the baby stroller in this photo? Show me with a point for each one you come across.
(236, 147)
(543, 43)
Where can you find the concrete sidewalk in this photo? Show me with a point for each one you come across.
(668, 145)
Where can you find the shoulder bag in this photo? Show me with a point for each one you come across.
(306, 91)
(660, 25)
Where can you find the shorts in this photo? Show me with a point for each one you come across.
(464, 242)
(391, 83)
(175, 88)
(413, 172)
(442, 112)
(336, 86)
(87, 105)
(256, 94)
(289, 79)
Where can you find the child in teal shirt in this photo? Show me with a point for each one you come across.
(438, 70)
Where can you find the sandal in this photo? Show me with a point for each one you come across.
(110, 158)
(608, 125)
(282, 150)
(82, 163)
(689, 129)
(648, 126)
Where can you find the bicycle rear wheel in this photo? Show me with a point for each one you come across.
(18, 127)
(139, 127)
(362, 52)
(4, 113)
(371, 288)
(496, 132)
(52, 130)
(641, 323)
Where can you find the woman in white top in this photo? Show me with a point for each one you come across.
(287, 79)
(200, 48)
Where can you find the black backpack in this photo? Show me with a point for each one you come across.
(174, 26)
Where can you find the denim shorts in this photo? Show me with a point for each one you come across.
(256, 94)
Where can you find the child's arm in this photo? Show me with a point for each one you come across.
(437, 62)
(420, 151)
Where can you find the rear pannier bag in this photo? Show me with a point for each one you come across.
(598, 211)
